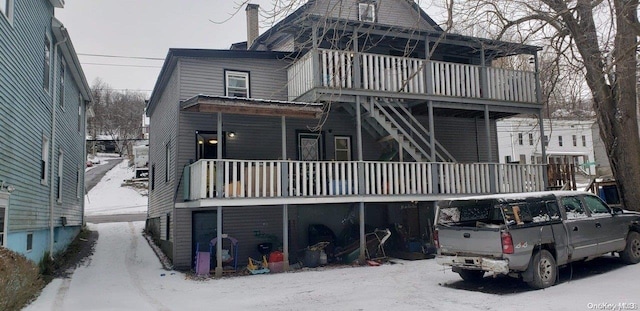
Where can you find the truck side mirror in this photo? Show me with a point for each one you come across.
(616, 211)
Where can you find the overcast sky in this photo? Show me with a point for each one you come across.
(148, 28)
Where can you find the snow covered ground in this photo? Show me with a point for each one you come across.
(125, 274)
(108, 197)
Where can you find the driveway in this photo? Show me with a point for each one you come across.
(93, 176)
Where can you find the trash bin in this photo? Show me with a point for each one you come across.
(311, 258)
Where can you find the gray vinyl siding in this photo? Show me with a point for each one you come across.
(163, 131)
(465, 138)
(25, 117)
(388, 12)
(267, 77)
(287, 44)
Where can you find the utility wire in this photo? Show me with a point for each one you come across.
(120, 56)
(120, 65)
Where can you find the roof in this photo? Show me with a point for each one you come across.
(520, 196)
(252, 106)
(70, 56)
(173, 55)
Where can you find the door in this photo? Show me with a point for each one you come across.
(611, 233)
(309, 147)
(580, 227)
(4, 211)
(204, 229)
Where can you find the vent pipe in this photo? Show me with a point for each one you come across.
(252, 23)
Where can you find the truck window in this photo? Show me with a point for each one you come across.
(573, 207)
(595, 206)
(468, 213)
(553, 209)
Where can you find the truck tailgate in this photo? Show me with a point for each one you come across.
(470, 241)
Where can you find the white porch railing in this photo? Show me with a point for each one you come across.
(403, 74)
(226, 179)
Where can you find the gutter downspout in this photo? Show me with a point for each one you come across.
(53, 142)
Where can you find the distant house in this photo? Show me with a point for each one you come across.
(43, 97)
(336, 115)
(566, 142)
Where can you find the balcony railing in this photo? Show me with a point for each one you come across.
(226, 179)
(410, 75)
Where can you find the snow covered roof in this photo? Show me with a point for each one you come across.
(252, 106)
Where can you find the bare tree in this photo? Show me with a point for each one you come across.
(598, 38)
(118, 115)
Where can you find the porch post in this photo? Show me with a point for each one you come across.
(315, 56)
(484, 83)
(285, 207)
(487, 125)
(219, 189)
(427, 68)
(432, 128)
(363, 242)
(543, 150)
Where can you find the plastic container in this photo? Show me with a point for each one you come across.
(323, 258)
(311, 258)
(276, 267)
(276, 256)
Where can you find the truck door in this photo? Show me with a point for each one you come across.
(581, 228)
(611, 233)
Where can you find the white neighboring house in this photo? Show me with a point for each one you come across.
(568, 141)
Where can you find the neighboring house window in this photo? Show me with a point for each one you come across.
(2, 222)
(507, 159)
(153, 176)
(6, 8)
(167, 159)
(79, 113)
(343, 148)
(530, 139)
(523, 159)
(44, 162)
(237, 84)
(560, 141)
(533, 159)
(584, 141)
(168, 227)
(78, 180)
(60, 174)
(47, 63)
(575, 140)
(29, 241)
(546, 140)
(520, 139)
(62, 71)
(366, 12)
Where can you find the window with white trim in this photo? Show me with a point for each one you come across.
(530, 139)
(44, 162)
(60, 174)
(520, 139)
(47, 63)
(6, 9)
(63, 68)
(367, 12)
(236, 84)
(584, 141)
(78, 182)
(343, 148)
(560, 141)
(29, 241)
(167, 163)
(3, 210)
(79, 113)
(575, 140)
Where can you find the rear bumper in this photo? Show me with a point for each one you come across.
(498, 266)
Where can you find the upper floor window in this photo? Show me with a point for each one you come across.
(560, 141)
(520, 139)
(63, 68)
(6, 8)
(236, 84)
(47, 63)
(546, 140)
(343, 148)
(575, 140)
(80, 113)
(530, 139)
(60, 174)
(366, 12)
(584, 141)
(44, 162)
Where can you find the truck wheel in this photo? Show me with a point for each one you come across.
(631, 253)
(471, 275)
(545, 270)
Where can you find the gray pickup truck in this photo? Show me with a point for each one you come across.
(530, 235)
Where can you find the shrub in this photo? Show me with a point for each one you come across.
(19, 280)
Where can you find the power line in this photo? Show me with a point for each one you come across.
(120, 65)
(120, 56)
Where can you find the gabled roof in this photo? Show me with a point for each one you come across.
(300, 12)
(174, 54)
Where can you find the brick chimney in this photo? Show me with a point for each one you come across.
(252, 23)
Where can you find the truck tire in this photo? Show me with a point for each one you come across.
(471, 275)
(631, 253)
(545, 270)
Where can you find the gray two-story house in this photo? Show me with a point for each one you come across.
(43, 98)
(344, 113)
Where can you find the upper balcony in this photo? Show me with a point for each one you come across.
(336, 70)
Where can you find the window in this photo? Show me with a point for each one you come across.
(237, 84)
(44, 162)
(530, 139)
(343, 148)
(310, 146)
(520, 139)
(507, 159)
(61, 91)
(533, 159)
(584, 141)
(573, 207)
(2, 223)
(575, 140)
(60, 174)
(546, 140)
(595, 206)
(29, 241)
(367, 12)
(523, 159)
(153, 176)
(6, 8)
(168, 227)
(560, 141)
(78, 180)
(167, 164)
(79, 113)
(47, 63)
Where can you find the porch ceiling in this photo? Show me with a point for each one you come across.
(249, 106)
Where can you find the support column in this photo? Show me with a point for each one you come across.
(487, 125)
(219, 189)
(317, 76)
(543, 150)
(285, 207)
(363, 241)
(432, 141)
(219, 243)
